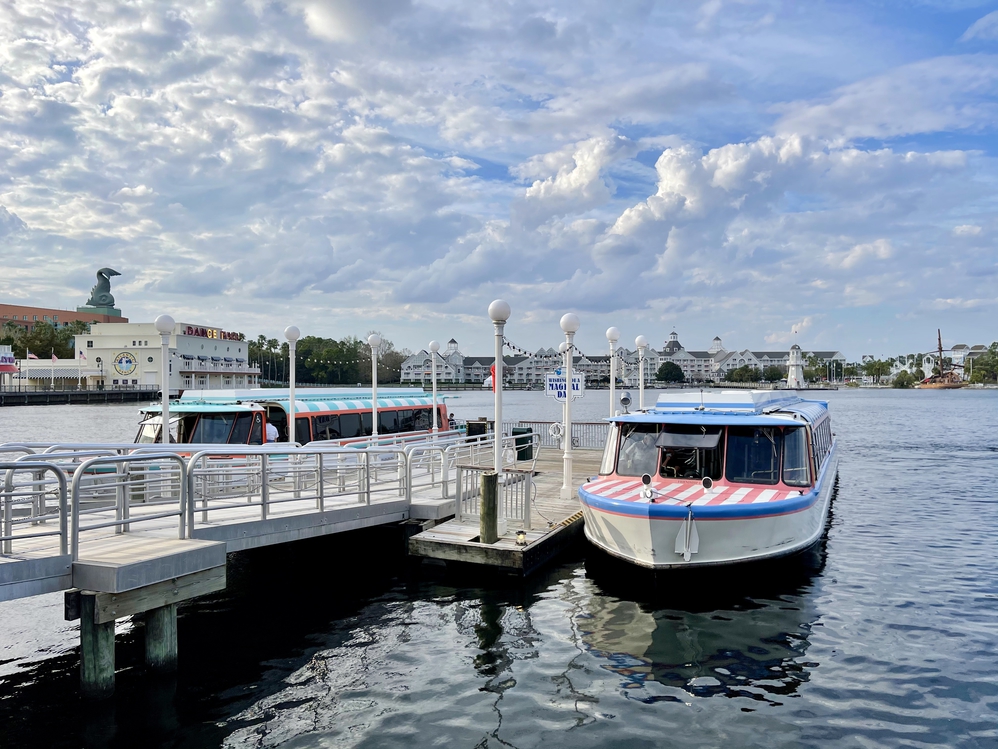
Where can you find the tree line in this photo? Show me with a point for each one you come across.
(327, 361)
(43, 340)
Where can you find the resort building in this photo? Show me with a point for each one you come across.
(128, 355)
(26, 317)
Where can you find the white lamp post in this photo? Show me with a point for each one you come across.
(570, 324)
(292, 334)
(164, 325)
(434, 348)
(613, 335)
(642, 343)
(374, 341)
(499, 313)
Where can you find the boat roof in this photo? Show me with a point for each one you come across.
(727, 407)
(202, 408)
(301, 406)
(301, 394)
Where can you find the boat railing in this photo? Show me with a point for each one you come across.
(516, 488)
(141, 488)
(34, 496)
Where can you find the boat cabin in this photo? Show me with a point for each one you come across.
(749, 438)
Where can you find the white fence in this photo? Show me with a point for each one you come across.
(586, 435)
(516, 492)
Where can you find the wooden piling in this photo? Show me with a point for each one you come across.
(96, 650)
(161, 638)
(489, 509)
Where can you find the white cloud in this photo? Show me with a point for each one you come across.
(400, 162)
(985, 27)
(928, 96)
(790, 336)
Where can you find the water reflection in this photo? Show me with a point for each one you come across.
(738, 632)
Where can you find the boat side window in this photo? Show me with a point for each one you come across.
(638, 452)
(256, 436)
(406, 420)
(241, 429)
(422, 419)
(213, 429)
(147, 433)
(367, 421)
(388, 422)
(185, 427)
(691, 452)
(326, 427)
(795, 458)
(303, 433)
(610, 451)
(754, 455)
(349, 425)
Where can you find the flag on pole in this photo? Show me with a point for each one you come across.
(82, 355)
(54, 357)
(31, 356)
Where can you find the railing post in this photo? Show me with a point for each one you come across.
(264, 485)
(320, 487)
(119, 497)
(8, 517)
(528, 494)
(184, 497)
(367, 477)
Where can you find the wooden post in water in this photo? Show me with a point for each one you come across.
(161, 638)
(96, 650)
(488, 511)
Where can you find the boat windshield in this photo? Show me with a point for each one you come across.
(691, 452)
(754, 455)
(638, 452)
(213, 429)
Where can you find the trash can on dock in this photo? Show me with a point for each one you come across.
(523, 439)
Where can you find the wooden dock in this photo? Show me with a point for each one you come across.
(555, 522)
(135, 530)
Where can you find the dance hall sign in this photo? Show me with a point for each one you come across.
(214, 333)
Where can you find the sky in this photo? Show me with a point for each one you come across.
(761, 170)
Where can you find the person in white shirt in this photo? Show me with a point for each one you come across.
(272, 434)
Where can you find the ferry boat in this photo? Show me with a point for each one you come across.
(240, 417)
(712, 478)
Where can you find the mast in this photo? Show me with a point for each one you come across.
(939, 337)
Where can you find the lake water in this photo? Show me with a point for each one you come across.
(884, 635)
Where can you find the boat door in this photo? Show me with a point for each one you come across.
(277, 416)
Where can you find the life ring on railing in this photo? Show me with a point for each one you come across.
(556, 430)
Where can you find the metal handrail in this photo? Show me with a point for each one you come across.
(7, 538)
(362, 458)
(125, 521)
